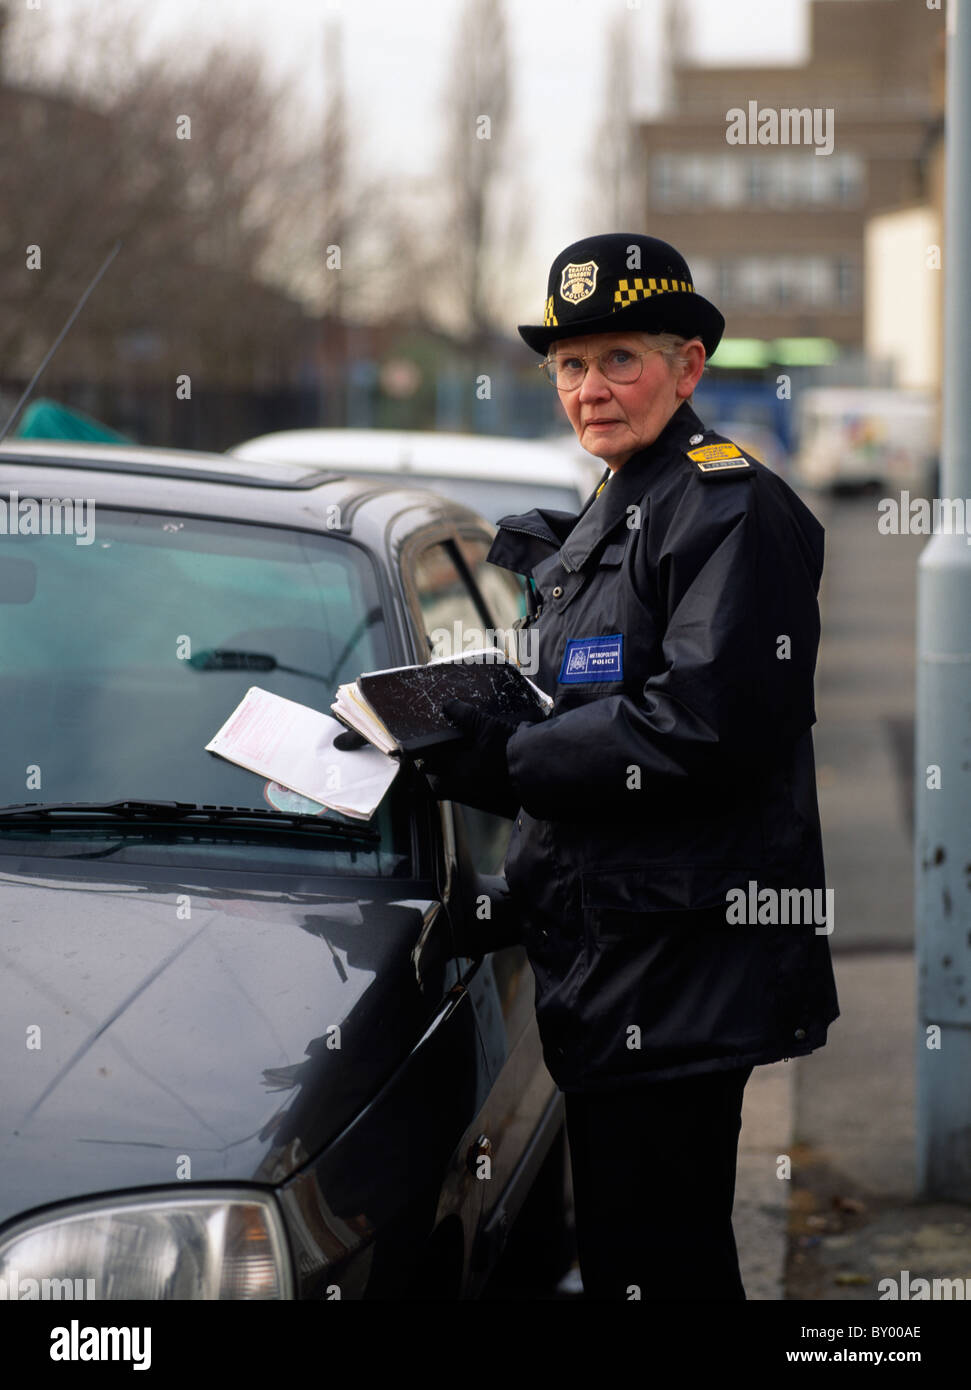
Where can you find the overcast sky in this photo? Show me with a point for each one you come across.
(395, 60)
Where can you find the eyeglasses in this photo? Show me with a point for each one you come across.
(620, 365)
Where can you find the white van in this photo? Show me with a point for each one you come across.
(854, 437)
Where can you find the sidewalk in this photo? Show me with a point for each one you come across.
(849, 1217)
(761, 1209)
(854, 1218)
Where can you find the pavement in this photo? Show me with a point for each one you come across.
(850, 1214)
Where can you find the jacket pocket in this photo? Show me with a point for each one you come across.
(613, 554)
(603, 574)
(619, 901)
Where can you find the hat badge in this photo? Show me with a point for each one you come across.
(578, 282)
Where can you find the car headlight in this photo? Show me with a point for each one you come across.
(212, 1244)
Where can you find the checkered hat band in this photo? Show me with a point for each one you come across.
(632, 290)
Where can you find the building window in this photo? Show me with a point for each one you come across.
(663, 190)
(727, 281)
(847, 283)
(850, 179)
(694, 171)
(786, 181)
(705, 273)
(820, 281)
(777, 284)
(757, 183)
(727, 182)
(770, 179)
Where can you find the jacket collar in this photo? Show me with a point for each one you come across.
(626, 486)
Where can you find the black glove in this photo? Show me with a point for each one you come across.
(474, 770)
(349, 740)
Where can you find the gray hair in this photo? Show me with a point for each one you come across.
(670, 345)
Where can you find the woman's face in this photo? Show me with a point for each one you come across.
(613, 420)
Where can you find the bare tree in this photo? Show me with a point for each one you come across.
(478, 109)
(616, 168)
(235, 220)
(348, 244)
(161, 153)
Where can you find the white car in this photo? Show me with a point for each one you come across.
(495, 476)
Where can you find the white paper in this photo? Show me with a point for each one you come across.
(293, 744)
(351, 704)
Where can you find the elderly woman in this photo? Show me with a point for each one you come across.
(666, 825)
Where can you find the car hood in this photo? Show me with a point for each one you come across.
(158, 1032)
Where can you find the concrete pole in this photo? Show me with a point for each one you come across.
(943, 800)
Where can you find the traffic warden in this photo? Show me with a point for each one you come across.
(677, 624)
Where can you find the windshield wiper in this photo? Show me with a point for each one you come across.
(219, 659)
(161, 812)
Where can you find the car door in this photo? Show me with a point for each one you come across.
(449, 578)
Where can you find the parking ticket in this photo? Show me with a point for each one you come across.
(293, 744)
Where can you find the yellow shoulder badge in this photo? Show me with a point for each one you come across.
(709, 453)
(720, 460)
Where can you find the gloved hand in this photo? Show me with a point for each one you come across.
(474, 770)
(349, 740)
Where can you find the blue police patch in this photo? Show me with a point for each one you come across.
(593, 659)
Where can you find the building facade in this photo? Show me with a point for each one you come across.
(767, 177)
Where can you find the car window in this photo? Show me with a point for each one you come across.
(108, 688)
(449, 609)
(502, 591)
(454, 624)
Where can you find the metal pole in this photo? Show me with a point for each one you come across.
(943, 799)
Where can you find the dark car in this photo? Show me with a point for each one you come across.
(249, 1052)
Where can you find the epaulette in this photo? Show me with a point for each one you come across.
(721, 460)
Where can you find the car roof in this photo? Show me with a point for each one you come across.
(194, 465)
(215, 486)
(448, 454)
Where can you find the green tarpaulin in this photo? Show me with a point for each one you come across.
(45, 419)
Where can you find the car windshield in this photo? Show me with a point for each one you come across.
(110, 690)
(491, 499)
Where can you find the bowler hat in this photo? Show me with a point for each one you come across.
(621, 280)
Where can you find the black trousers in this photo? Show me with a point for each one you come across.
(654, 1184)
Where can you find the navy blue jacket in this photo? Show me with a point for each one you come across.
(677, 631)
